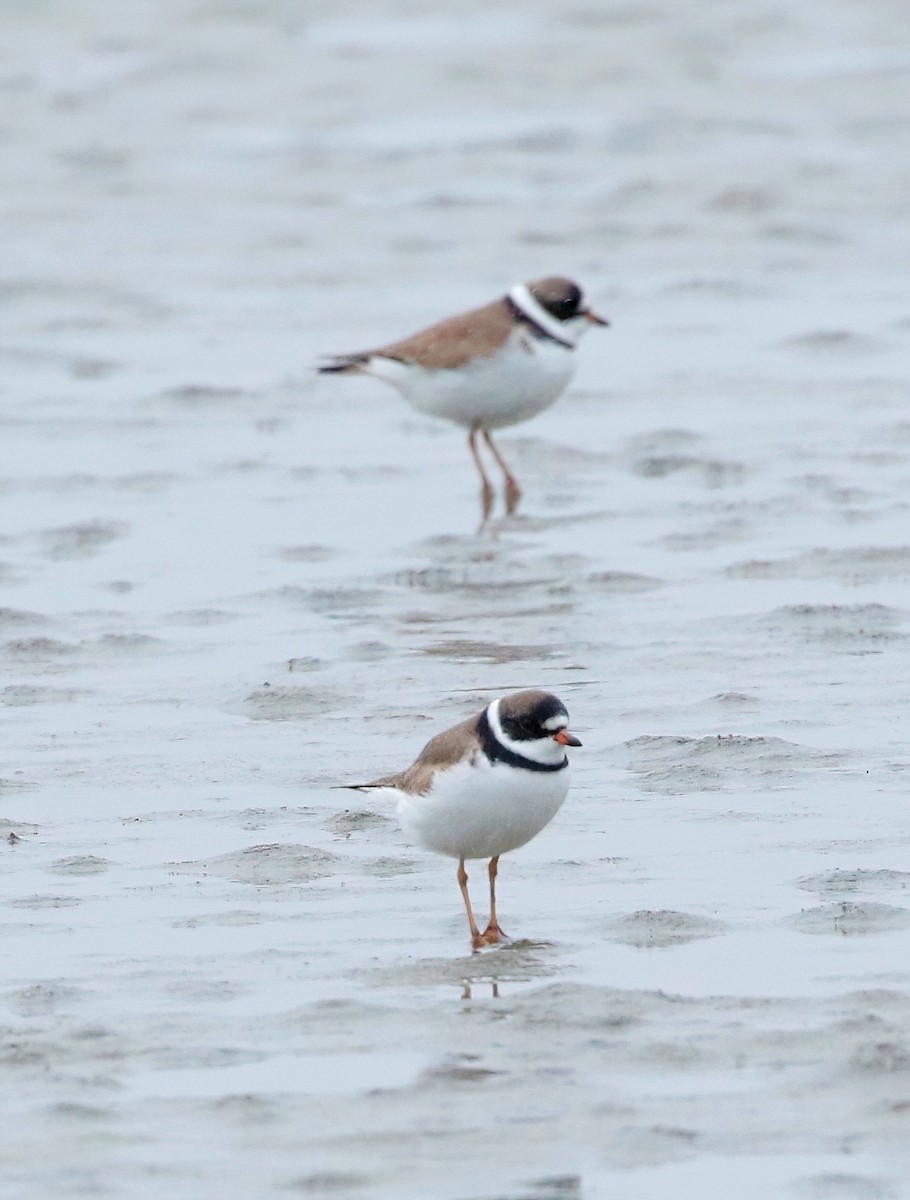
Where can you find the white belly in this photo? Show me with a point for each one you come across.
(516, 383)
(481, 810)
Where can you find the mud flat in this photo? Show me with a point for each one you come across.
(228, 585)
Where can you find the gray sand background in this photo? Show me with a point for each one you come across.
(229, 584)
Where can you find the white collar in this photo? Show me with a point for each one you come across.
(527, 304)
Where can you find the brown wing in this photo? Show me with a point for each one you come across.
(442, 752)
(453, 342)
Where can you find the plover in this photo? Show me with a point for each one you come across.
(488, 368)
(486, 786)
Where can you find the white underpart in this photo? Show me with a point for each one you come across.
(525, 300)
(516, 382)
(479, 809)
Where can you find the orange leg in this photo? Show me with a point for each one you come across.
(476, 938)
(486, 488)
(493, 933)
(513, 491)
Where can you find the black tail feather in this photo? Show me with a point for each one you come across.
(344, 362)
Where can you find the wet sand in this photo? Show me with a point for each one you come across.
(229, 584)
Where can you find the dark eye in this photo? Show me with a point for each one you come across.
(573, 303)
(567, 305)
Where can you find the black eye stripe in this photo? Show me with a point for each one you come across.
(532, 726)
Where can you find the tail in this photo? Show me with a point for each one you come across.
(342, 363)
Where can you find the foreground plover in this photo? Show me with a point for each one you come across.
(486, 786)
(487, 368)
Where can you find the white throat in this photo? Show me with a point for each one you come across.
(541, 750)
(523, 299)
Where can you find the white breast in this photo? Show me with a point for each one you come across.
(515, 383)
(481, 809)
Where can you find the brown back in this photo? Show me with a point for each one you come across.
(455, 341)
(442, 752)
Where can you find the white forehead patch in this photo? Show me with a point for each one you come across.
(560, 721)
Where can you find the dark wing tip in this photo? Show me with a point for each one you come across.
(342, 363)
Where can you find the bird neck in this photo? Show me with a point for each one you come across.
(535, 314)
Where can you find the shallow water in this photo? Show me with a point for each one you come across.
(229, 584)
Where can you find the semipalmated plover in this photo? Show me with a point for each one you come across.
(486, 786)
(487, 368)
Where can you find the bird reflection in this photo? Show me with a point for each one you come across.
(467, 991)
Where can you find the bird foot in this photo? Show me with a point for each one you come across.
(490, 936)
